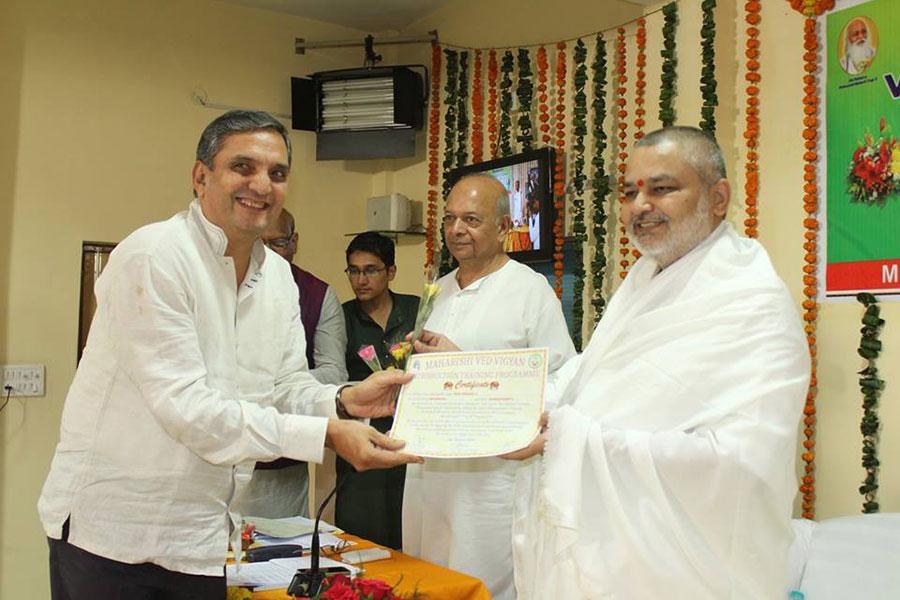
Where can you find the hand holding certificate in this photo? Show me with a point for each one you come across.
(471, 404)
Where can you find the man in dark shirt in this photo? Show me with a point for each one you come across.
(369, 503)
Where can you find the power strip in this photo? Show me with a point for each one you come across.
(26, 380)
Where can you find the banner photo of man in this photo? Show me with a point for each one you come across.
(862, 118)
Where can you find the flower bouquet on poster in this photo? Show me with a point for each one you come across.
(874, 173)
(399, 350)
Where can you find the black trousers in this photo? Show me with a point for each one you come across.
(79, 575)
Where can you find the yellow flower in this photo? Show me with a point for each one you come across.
(239, 593)
(895, 161)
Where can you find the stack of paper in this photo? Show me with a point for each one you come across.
(276, 573)
(293, 530)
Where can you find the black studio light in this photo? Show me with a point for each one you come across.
(369, 112)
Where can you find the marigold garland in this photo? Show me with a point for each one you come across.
(559, 178)
(708, 82)
(524, 93)
(462, 109)
(477, 111)
(751, 111)
(600, 180)
(871, 386)
(670, 62)
(812, 8)
(640, 83)
(492, 102)
(579, 130)
(811, 224)
(543, 106)
(622, 125)
(505, 133)
(434, 142)
(640, 80)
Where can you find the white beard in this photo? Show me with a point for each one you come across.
(857, 55)
(682, 238)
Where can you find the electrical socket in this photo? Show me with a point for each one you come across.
(26, 380)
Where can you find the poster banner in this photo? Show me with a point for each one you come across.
(862, 125)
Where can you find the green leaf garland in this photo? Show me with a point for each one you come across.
(451, 101)
(579, 130)
(708, 82)
(524, 94)
(462, 109)
(871, 386)
(600, 180)
(669, 76)
(506, 68)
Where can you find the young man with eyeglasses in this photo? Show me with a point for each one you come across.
(369, 504)
(280, 488)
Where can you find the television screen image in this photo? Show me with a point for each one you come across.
(526, 177)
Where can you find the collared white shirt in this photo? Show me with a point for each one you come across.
(459, 513)
(185, 382)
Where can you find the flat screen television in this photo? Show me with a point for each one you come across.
(527, 178)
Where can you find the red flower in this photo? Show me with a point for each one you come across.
(378, 590)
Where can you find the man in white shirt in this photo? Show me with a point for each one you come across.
(458, 513)
(669, 466)
(280, 488)
(194, 369)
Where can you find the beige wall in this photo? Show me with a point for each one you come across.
(96, 139)
(97, 136)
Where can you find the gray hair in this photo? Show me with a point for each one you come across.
(700, 149)
(237, 121)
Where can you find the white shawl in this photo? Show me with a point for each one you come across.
(669, 472)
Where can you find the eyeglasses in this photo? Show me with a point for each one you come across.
(368, 271)
(278, 243)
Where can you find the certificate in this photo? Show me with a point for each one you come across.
(471, 404)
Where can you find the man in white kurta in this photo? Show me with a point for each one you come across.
(194, 369)
(458, 513)
(669, 465)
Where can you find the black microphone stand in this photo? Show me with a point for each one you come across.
(307, 583)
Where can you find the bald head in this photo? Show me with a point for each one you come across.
(280, 235)
(476, 220)
(485, 189)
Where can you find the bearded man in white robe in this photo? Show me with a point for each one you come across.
(669, 464)
(858, 50)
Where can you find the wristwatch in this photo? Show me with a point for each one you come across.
(342, 412)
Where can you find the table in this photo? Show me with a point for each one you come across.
(408, 574)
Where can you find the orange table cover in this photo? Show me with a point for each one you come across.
(408, 575)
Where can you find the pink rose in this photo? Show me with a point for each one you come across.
(367, 353)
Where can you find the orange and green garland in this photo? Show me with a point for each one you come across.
(751, 129)
(477, 111)
(492, 102)
(810, 9)
(434, 143)
(559, 177)
(543, 107)
(622, 125)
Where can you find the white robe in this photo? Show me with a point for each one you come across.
(458, 513)
(669, 470)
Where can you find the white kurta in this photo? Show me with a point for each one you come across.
(669, 472)
(458, 513)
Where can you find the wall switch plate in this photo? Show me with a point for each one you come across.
(26, 380)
